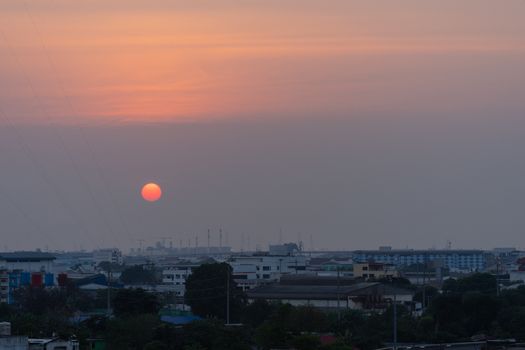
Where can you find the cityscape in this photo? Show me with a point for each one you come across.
(364, 281)
(262, 175)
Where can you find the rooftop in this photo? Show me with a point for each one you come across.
(420, 251)
(26, 256)
(311, 292)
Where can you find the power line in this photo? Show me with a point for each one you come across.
(43, 110)
(74, 111)
(41, 170)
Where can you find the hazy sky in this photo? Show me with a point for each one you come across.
(356, 123)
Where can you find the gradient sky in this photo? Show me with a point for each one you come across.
(358, 123)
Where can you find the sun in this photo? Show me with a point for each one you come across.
(151, 192)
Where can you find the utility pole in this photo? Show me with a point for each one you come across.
(338, 296)
(395, 323)
(228, 295)
(498, 261)
(109, 290)
(208, 241)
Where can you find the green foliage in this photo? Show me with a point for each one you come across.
(270, 335)
(430, 293)
(138, 275)
(466, 307)
(206, 292)
(479, 282)
(107, 266)
(306, 342)
(156, 345)
(338, 346)
(41, 301)
(131, 333)
(256, 313)
(130, 302)
(212, 334)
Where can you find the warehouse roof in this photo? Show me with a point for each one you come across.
(26, 256)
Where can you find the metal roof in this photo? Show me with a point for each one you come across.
(419, 251)
(26, 256)
(318, 292)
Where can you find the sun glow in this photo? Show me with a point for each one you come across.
(151, 192)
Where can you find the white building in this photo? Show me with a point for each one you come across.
(177, 274)
(250, 271)
(113, 256)
(27, 261)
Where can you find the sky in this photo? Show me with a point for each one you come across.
(344, 124)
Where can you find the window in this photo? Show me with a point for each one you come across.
(266, 276)
(266, 268)
(365, 268)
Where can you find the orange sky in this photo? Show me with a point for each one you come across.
(377, 122)
(170, 61)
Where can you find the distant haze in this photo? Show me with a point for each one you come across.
(348, 124)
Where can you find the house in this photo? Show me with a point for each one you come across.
(52, 344)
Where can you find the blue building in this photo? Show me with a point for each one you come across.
(471, 260)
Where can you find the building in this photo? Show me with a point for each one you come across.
(23, 269)
(113, 256)
(250, 271)
(27, 261)
(466, 260)
(331, 266)
(10, 342)
(332, 293)
(12, 280)
(13, 342)
(177, 274)
(52, 344)
(373, 270)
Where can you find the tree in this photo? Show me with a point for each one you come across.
(138, 275)
(480, 310)
(213, 334)
(256, 313)
(271, 334)
(130, 302)
(308, 319)
(131, 332)
(206, 291)
(306, 342)
(156, 345)
(478, 282)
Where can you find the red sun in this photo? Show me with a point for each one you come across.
(151, 192)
